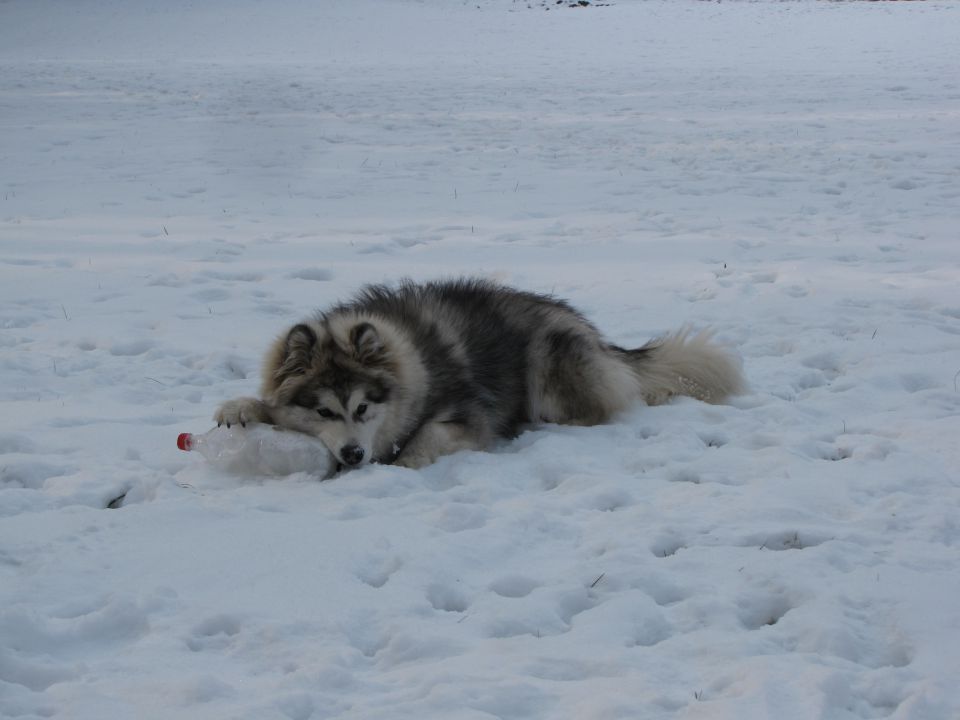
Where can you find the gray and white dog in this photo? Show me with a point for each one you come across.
(408, 374)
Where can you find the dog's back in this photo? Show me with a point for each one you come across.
(516, 357)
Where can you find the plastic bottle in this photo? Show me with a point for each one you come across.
(261, 450)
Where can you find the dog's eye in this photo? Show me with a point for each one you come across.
(361, 409)
(324, 412)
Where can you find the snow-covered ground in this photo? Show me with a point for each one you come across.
(180, 180)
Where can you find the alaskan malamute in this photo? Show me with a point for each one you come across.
(404, 375)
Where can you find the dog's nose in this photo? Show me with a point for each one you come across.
(351, 454)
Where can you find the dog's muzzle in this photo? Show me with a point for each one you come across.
(351, 454)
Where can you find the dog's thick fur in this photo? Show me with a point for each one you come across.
(411, 373)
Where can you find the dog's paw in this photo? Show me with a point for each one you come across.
(415, 460)
(241, 411)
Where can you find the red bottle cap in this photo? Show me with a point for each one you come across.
(184, 440)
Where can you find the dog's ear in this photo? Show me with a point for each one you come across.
(297, 348)
(368, 346)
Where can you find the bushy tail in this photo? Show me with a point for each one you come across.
(686, 363)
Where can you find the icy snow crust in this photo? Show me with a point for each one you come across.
(180, 181)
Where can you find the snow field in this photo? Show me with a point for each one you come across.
(183, 182)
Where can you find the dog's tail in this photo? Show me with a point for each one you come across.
(685, 363)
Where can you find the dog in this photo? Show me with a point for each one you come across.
(410, 373)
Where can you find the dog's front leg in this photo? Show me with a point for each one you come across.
(241, 411)
(436, 439)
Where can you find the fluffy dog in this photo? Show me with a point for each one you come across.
(407, 374)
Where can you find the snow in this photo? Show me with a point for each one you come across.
(183, 180)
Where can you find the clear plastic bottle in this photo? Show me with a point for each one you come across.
(261, 450)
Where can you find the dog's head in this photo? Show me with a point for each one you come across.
(332, 379)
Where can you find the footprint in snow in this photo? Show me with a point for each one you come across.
(378, 570)
(214, 633)
(13, 443)
(131, 348)
(514, 586)
(917, 382)
(458, 517)
(783, 540)
(758, 610)
(713, 439)
(447, 597)
(817, 450)
(30, 475)
(904, 184)
(667, 547)
(763, 277)
(210, 295)
(826, 362)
